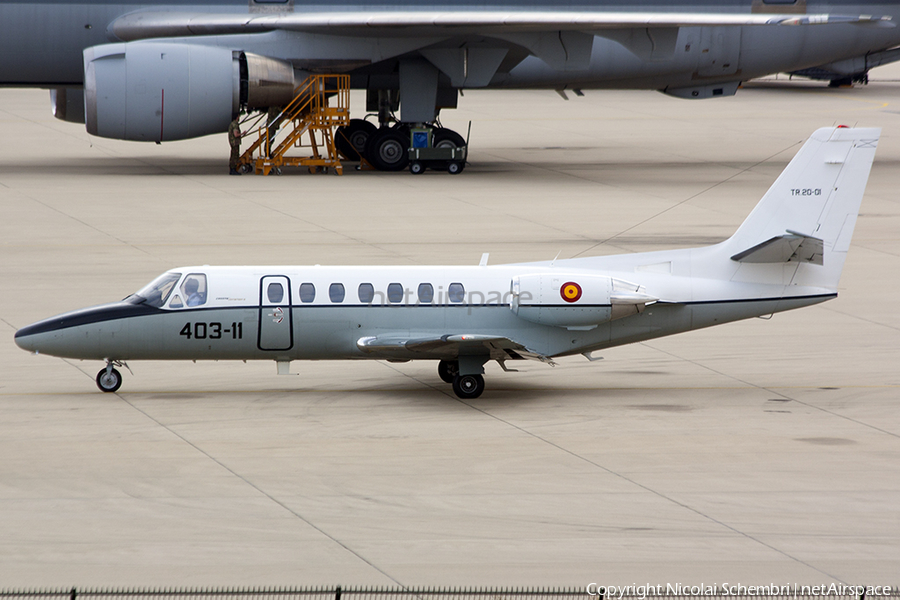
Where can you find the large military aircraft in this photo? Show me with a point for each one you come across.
(787, 254)
(175, 69)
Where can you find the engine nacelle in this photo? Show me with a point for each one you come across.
(575, 300)
(156, 92)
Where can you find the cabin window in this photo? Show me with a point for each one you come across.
(275, 293)
(157, 291)
(194, 289)
(395, 292)
(425, 293)
(336, 292)
(307, 292)
(366, 292)
(456, 292)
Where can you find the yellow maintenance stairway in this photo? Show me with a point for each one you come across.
(319, 107)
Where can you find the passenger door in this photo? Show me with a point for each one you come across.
(276, 331)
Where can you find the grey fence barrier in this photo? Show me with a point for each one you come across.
(589, 592)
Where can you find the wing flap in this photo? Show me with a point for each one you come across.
(154, 24)
(449, 346)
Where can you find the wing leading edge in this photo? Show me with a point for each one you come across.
(144, 25)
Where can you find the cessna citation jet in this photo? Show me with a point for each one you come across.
(789, 253)
(176, 69)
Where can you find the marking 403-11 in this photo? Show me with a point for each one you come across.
(200, 330)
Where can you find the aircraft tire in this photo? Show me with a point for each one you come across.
(109, 382)
(388, 150)
(468, 387)
(447, 138)
(448, 370)
(351, 139)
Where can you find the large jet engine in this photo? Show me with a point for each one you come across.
(156, 92)
(575, 300)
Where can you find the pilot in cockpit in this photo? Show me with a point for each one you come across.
(191, 289)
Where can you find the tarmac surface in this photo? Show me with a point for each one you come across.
(757, 452)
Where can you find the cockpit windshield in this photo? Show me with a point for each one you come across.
(156, 292)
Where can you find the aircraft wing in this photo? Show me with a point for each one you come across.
(155, 24)
(449, 347)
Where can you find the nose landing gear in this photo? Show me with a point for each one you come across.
(109, 379)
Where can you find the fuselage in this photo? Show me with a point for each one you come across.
(317, 312)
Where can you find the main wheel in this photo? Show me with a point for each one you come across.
(351, 140)
(109, 382)
(468, 387)
(388, 150)
(447, 138)
(448, 370)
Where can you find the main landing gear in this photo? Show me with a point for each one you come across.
(109, 379)
(467, 387)
(387, 148)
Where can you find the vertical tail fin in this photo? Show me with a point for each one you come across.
(807, 216)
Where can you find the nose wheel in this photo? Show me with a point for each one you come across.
(109, 379)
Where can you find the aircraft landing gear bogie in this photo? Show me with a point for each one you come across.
(388, 149)
(448, 370)
(468, 387)
(109, 379)
(351, 139)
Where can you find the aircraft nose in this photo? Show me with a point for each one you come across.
(24, 340)
(29, 338)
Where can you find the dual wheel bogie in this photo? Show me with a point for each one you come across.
(467, 387)
(387, 148)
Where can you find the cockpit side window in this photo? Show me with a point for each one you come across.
(157, 291)
(194, 289)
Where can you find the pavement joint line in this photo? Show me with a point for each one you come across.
(624, 477)
(859, 317)
(834, 414)
(689, 198)
(259, 490)
(773, 390)
(84, 223)
(319, 226)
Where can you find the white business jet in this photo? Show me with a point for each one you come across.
(789, 253)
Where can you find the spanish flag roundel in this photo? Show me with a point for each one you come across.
(570, 292)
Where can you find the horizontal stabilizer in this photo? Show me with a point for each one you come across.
(790, 247)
